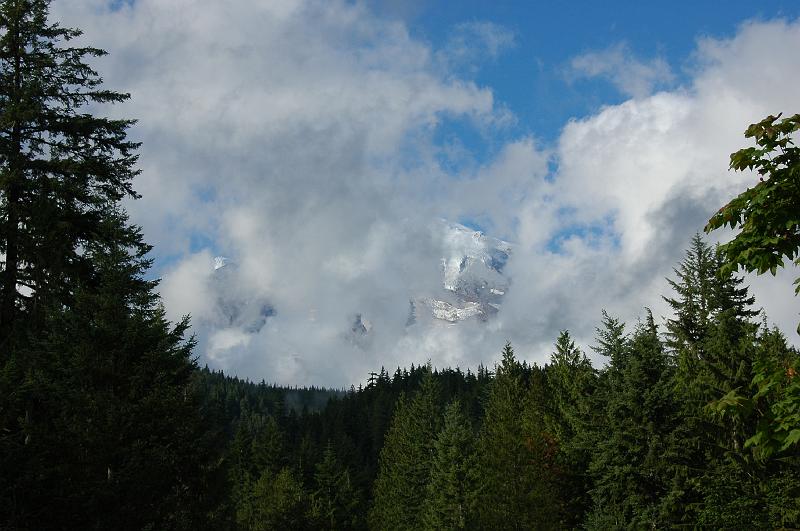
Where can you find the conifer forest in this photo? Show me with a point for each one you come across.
(109, 421)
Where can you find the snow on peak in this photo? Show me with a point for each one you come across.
(473, 278)
(472, 256)
(448, 312)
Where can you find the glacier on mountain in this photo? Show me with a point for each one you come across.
(472, 275)
(473, 284)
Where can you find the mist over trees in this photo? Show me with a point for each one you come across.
(107, 422)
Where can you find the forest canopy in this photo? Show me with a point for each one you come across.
(107, 422)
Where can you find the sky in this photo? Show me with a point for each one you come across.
(318, 145)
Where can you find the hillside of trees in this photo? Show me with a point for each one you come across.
(107, 422)
(661, 436)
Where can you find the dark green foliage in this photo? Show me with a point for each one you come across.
(717, 479)
(768, 214)
(571, 381)
(99, 425)
(450, 485)
(706, 337)
(777, 389)
(703, 292)
(767, 417)
(267, 492)
(513, 457)
(635, 400)
(277, 501)
(61, 170)
(406, 459)
(645, 441)
(346, 425)
(334, 501)
(546, 475)
(110, 420)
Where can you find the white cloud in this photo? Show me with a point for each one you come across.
(657, 167)
(187, 287)
(469, 41)
(297, 137)
(618, 65)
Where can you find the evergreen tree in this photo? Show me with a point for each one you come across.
(406, 459)
(268, 447)
(695, 276)
(508, 469)
(258, 456)
(113, 438)
(769, 456)
(449, 488)
(334, 501)
(635, 398)
(712, 337)
(712, 333)
(545, 474)
(571, 381)
(278, 502)
(97, 418)
(62, 170)
(703, 291)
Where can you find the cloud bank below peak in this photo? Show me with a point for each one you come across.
(299, 139)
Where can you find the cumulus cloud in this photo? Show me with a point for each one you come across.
(618, 65)
(656, 167)
(298, 139)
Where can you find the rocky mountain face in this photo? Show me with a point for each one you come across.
(472, 287)
(473, 281)
(235, 306)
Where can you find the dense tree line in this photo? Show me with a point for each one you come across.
(660, 436)
(106, 422)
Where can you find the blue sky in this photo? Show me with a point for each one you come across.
(530, 75)
(531, 72)
(319, 144)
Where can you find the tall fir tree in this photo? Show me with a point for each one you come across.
(63, 170)
(544, 471)
(509, 460)
(406, 459)
(712, 337)
(278, 501)
(112, 436)
(634, 397)
(702, 292)
(450, 485)
(98, 420)
(571, 381)
(335, 500)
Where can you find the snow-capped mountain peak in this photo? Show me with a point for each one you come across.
(220, 262)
